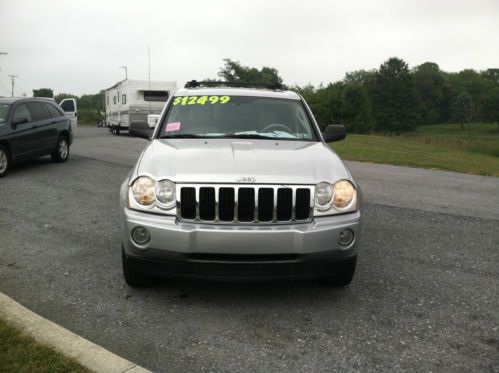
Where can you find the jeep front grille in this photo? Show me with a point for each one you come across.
(245, 204)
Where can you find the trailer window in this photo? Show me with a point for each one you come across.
(114, 100)
(123, 99)
(156, 96)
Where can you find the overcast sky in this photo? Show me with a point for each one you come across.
(78, 47)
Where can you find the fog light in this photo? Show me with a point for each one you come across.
(345, 237)
(140, 235)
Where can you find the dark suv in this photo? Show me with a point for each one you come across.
(30, 128)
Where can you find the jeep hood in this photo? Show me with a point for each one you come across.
(235, 160)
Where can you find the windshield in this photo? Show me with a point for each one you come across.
(237, 117)
(4, 111)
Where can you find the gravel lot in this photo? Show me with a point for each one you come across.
(425, 296)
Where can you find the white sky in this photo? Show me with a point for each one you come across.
(79, 46)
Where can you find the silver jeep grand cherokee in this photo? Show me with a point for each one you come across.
(239, 183)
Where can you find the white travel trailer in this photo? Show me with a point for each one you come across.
(129, 102)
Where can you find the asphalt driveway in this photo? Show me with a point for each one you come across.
(425, 295)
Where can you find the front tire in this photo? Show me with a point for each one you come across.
(61, 152)
(133, 276)
(4, 161)
(344, 277)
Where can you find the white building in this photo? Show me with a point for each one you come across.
(132, 100)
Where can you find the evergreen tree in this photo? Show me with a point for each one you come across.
(356, 113)
(394, 98)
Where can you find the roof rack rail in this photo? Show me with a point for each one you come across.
(272, 86)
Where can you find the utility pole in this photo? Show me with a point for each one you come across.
(126, 72)
(149, 63)
(12, 77)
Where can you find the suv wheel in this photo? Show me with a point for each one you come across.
(133, 276)
(61, 152)
(344, 277)
(4, 161)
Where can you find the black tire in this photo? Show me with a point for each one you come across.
(134, 277)
(344, 277)
(61, 152)
(4, 161)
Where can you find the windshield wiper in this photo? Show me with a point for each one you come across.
(248, 136)
(183, 136)
(226, 136)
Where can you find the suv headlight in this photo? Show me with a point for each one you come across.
(323, 196)
(165, 194)
(338, 197)
(148, 194)
(143, 191)
(344, 194)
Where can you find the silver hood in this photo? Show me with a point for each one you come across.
(230, 160)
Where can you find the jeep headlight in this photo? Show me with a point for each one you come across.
(344, 194)
(323, 196)
(340, 196)
(165, 194)
(143, 191)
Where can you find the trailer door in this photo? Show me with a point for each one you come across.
(69, 107)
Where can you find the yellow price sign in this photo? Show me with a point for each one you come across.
(200, 100)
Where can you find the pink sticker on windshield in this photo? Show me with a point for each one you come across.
(173, 126)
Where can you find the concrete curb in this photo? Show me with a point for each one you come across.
(70, 344)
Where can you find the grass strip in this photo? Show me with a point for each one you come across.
(20, 353)
(407, 151)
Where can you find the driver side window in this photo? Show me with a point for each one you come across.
(22, 111)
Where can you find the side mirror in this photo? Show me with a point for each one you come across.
(334, 132)
(20, 120)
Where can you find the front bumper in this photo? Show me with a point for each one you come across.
(238, 251)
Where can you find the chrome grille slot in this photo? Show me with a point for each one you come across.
(226, 204)
(302, 204)
(284, 204)
(246, 204)
(188, 203)
(230, 203)
(265, 204)
(207, 203)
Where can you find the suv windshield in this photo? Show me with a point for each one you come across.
(237, 117)
(4, 111)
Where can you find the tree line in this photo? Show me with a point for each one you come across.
(392, 98)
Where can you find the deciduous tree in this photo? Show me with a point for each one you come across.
(233, 71)
(43, 92)
(463, 108)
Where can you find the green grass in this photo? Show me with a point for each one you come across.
(482, 138)
(445, 146)
(20, 353)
